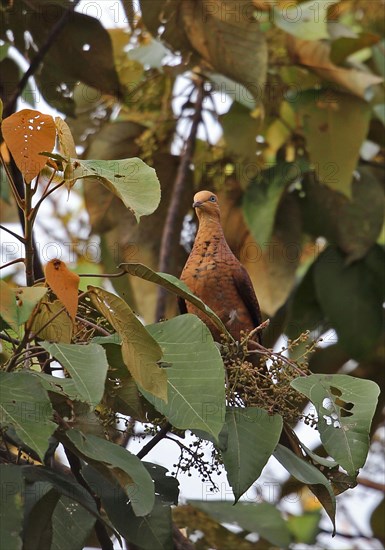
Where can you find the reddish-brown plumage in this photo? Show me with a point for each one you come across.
(216, 276)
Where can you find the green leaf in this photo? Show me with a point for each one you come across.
(38, 530)
(262, 197)
(173, 284)
(72, 525)
(351, 299)
(141, 353)
(12, 509)
(307, 20)
(17, 304)
(345, 408)
(87, 365)
(249, 438)
(25, 405)
(305, 528)
(195, 377)
(264, 518)
(333, 152)
(151, 532)
(305, 312)
(138, 485)
(51, 325)
(354, 225)
(132, 180)
(309, 474)
(240, 130)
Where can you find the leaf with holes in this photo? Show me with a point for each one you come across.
(345, 406)
(17, 304)
(25, 405)
(132, 180)
(28, 133)
(64, 283)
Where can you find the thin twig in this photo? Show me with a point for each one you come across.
(18, 237)
(93, 325)
(37, 60)
(170, 227)
(9, 339)
(371, 484)
(18, 260)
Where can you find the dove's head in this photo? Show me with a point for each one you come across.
(206, 205)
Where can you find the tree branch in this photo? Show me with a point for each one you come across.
(170, 227)
(155, 440)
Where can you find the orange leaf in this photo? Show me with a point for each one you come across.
(28, 133)
(64, 283)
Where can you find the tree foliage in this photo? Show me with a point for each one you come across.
(296, 94)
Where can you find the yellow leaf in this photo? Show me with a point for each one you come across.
(64, 283)
(66, 141)
(27, 134)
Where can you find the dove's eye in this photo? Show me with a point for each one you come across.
(212, 198)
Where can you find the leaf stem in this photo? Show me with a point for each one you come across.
(18, 260)
(18, 237)
(28, 237)
(155, 440)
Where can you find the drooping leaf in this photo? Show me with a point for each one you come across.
(345, 406)
(17, 304)
(25, 405)
(141, 353)
(351, 298)
(249, 438)
(315, 55)
(195, 377)
(176, 286)
(51, 325)
(137, 482)
(262, 196)
(38, 530)
(263, 518)
(133, 181)
(333, 152)
(309, 474)
(11, 515)
(307, 20)
(151, 532)
(27, 133)
(64, 283)
(87, 366)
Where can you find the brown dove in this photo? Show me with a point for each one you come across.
(216, 276)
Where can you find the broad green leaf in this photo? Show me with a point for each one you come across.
(307, 473)
(345, 408)
(195, 377)
(87, 366)
(72, 524)
(351, 298)
(334, 153)
(25, 405)
(240, 129)
(38, 530)
(264, 519)
(138, 485)
(173, 284)
(141, 354)
(12, 509)
(132, 180)
(262, 197)
(17, 304)
(307, 20)
(151, 532)
(63, 484)
(249, 438)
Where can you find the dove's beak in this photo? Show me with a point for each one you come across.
(196, 204)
